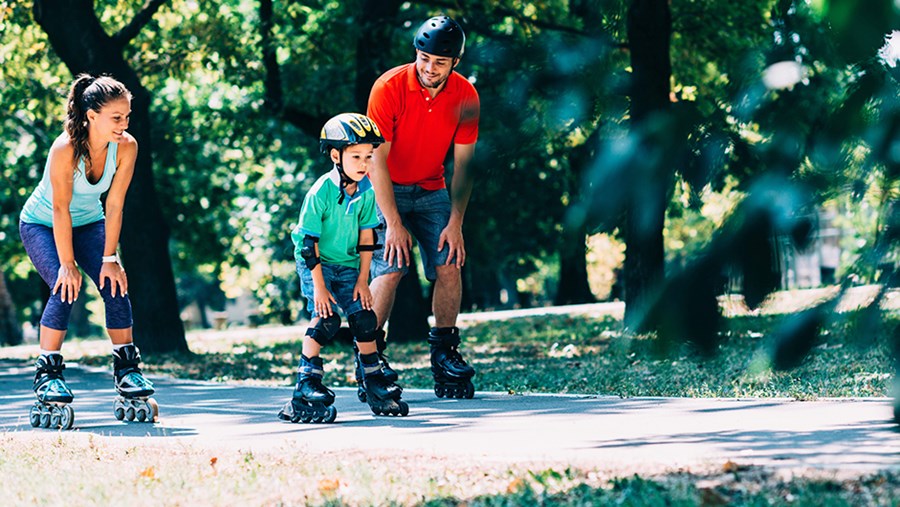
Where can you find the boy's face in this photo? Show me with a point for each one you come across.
(357, 160)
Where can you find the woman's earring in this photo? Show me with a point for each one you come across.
(84, 123)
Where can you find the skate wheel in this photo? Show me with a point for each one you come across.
(129, 414)
(119, 412)
(404, 408)
(361, 394)
(140, 415)
(66, 418)
(470, 391)
(54, 417)
(439, 391)
(34, 417)
(306, 418)
(376, 410)
(330, 415)
(45, 419)
(152, 410)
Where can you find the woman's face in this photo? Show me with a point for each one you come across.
(109, 124)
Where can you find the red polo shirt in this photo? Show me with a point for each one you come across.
(422, 129)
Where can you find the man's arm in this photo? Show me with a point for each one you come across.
(460, 191)
(397, 241)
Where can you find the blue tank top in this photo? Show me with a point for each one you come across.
(85, 206)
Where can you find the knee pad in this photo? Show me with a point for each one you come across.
(364, 325)
(325, 329)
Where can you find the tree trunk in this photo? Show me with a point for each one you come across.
(573, 278)
(80, 41)
(377, 22)
(649, 27)
(375, 25)
(409, 317)
(10, 330)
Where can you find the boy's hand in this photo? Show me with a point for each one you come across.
(362, 293)
(323, 300)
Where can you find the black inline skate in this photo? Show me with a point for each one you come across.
(452, 376)
(382, 394)
(312, 401)
(133, 402)
(51, 410)
(389, 372)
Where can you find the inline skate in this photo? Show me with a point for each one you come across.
(452, 376)
(382, 394)
(133, 402)
(312, 401)
(51, 410)
(389, 372)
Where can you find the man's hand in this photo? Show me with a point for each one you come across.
(397, 244)
(452, 236)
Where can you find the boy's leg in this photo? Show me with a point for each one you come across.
(311, 401)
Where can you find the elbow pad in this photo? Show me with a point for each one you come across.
(308, 252)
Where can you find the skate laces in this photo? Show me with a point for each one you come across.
(137, 380)
(454, 357)
(54, 387)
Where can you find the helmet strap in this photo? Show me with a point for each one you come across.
(345, 180)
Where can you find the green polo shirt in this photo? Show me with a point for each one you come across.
(336, 225)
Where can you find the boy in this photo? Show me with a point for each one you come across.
(333, 244)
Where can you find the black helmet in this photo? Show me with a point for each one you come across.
(349, 128)
(441, 36)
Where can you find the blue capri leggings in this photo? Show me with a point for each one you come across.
(88, 242)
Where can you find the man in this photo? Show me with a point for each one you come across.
(423, 109)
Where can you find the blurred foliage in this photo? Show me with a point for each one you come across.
(777, 108)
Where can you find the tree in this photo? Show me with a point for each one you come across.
(10, 330)
(649, 33)
(145, 234)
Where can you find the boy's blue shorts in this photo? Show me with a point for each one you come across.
(425, 214)
(339, 280)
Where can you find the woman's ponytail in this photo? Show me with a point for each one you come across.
(76, 117)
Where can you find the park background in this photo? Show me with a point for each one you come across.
(663, 153)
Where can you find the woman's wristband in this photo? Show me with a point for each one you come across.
(111, 258)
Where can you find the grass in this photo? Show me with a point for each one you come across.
(583, 355)
(101, 471)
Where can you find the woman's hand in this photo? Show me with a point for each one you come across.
(68, 282)
(118, 282)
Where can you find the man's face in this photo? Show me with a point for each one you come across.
(433, 70)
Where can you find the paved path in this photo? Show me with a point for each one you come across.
(636, 433)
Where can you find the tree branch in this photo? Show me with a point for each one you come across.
(131, 30)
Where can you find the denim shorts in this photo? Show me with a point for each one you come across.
(339, 280)
(425, 214)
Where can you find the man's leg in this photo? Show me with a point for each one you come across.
(384, 290)
(447, 296)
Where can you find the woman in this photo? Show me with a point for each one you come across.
(64, 228)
